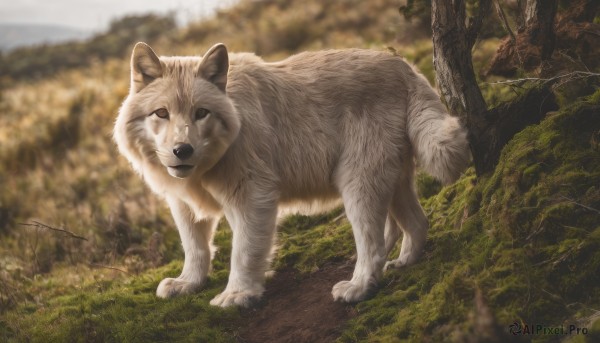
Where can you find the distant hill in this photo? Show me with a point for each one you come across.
(38, 61)
(17, 35)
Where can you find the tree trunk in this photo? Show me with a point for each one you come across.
(489, 130)
(454, 71)
(534, 42)
(539, 24)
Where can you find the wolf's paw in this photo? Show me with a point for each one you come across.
(405, 259)
(242, 298)
(393, 264)
(349, 291)
(169, 287)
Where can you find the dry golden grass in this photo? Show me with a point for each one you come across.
(59, 166)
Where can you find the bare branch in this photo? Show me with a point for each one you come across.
(109, 267)
(576, 75)
(477, 22)
(580, 204)
(591, 33)
(44, 226)
(502, 17)
(520, 15)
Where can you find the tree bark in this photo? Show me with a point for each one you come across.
(539, 23)
(454, 71)
(534, 43)
(489, 130)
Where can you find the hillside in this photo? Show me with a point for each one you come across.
(84, 243)
(16, 35)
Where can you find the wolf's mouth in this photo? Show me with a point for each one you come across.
(182, 167)
(180, 171)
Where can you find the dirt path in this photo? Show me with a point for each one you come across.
(298, 308)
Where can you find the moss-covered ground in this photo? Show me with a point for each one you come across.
(103, 305)
(524, 244)
(520, 246)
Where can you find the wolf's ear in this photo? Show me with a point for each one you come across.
(215, 66)
(145, 66)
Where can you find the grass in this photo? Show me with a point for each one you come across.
(105, 310)
(108, 305)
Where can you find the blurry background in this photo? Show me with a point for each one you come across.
(30, 22)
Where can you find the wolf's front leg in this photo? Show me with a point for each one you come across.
(253, 229)
(196, 237)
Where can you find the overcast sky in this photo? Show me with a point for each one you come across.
(96, 14)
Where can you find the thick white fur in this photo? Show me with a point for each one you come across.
(301, 133)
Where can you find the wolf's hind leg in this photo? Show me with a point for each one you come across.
(196, 238)
(366, 210)
(407, 211)
(392, 233)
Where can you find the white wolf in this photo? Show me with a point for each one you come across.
(230, 134)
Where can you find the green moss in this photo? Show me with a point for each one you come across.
(102, 307)
(526, 237)
(124, 311)
(427, 186)
(307, 243)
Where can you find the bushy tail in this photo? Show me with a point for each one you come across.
(438, 139)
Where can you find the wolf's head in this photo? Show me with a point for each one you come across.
(177, 114)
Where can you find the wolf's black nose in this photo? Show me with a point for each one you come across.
(183, 151)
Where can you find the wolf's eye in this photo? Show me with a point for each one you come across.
(201, 113)
(162, 113)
